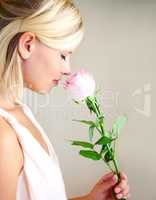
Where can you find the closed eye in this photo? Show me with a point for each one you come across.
(63, 57)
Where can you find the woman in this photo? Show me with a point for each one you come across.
(37, 38)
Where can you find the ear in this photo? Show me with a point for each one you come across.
(26, 44)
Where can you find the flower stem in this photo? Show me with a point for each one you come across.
(98, 113)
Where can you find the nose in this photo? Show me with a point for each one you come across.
(66, 70)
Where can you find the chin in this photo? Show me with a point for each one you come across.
(46, 91)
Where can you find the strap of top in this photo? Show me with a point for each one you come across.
(10, 118)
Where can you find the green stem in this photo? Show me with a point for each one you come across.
(109, 166)
(98, 113)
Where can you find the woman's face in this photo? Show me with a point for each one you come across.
(42, 65)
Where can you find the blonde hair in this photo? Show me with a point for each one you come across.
(56, 23)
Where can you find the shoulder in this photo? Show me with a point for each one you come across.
(10, 161)
(7, 133)
(10, 148)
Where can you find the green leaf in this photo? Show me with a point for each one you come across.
(91, 132)
(103, 149)
(118, 124)
(99, 120)
(76, 101)
(92, 98)
(83, 144)
(101, 117)
(90, 103)
(104, 140)
(107, 133)
(84, 121)
(90, 154)
(108, 155)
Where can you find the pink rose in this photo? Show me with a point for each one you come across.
(80, 85)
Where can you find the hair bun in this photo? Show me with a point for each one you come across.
(13, 9)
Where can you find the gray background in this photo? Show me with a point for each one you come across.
(119, 49)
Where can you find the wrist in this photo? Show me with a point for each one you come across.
(87, 197)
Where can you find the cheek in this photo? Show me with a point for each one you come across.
(34, 72)
(54, 66)
(43, 66)
(51, 62)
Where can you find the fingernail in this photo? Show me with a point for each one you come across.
(119, 196)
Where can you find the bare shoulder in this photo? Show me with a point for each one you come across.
(11, 161)
(9, 141)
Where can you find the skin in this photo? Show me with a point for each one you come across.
(41, 65)
(39, 62)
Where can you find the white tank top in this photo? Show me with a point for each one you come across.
(41, 177)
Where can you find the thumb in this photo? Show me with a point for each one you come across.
(106, 177)
(109, 183)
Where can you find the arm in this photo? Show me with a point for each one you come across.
(80, 198)
(104, 187)
(10, 163)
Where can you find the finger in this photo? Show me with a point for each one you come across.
(123, 175)
(126, 191)
(118, 189)
(106, 177)
(119, 196)
(122, 184)
(123, 193)
(108, 184)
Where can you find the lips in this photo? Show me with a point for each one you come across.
(56, 81)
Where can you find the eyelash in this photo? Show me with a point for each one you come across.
(63, 57)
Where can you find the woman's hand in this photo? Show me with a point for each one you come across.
(104, 187)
